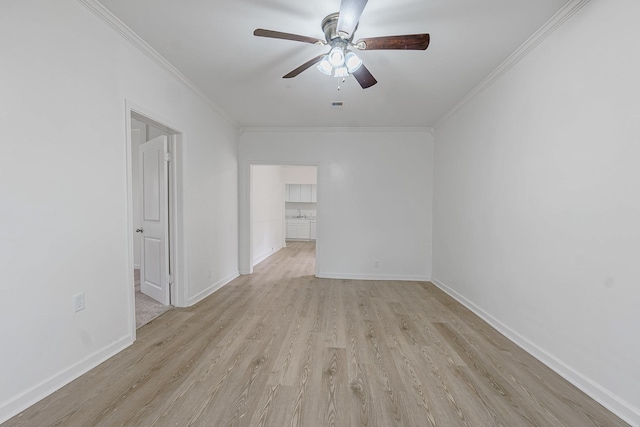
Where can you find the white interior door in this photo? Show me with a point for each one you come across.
(154, 179)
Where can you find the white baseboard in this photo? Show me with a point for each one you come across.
(349, 276)
(24, 400)
(258, 259)
(606, 398)
(211, 289)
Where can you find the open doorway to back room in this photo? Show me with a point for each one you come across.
(284, 207)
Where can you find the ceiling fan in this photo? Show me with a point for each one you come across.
(339, 29)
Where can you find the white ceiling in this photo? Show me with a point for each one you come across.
(211, 42)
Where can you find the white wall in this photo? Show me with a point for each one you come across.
(374, 197)
(267, 196)
(300, 174)
(64, 79)
(536, 219)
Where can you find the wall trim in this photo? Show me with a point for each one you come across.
(258, 259)
(350, 276)
(38, 392)
(548, 28)
(214, 287)
(606, 398)
(128, 34)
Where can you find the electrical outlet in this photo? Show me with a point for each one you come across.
(78, 302)
(376, 264)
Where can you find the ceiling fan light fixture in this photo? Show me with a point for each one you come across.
(352, 61)
(324, 66)
(341, 72)
(336, 57)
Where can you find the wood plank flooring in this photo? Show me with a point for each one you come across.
(284, 348)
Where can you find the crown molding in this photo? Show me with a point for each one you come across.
(338, 129)
(566, 12)
(128, 34)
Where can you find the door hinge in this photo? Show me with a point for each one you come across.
(168, 157)
(170, 279)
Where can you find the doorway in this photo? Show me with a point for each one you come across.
(155, 216)
(283, 208)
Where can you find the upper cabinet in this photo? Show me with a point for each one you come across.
(294, 193)
(300, 193)
(305, 192)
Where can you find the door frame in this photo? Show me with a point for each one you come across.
(177, 256)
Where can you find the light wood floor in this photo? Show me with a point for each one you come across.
(283, 348)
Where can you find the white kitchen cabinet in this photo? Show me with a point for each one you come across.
(312, 230)
(291, 230)
(294, 193)
(303, 230)
(298, 229)
(305, 192)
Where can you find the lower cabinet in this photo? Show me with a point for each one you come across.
(312, 230)
(298, 229)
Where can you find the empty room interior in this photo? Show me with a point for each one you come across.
(348, 212)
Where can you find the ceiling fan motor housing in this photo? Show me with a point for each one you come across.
(329, 26)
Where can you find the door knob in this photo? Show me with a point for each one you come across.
(138, 230)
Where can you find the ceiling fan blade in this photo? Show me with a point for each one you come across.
(350, 11)
(406, 42)
(286, 36)
(303, 67)
(364, 77)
